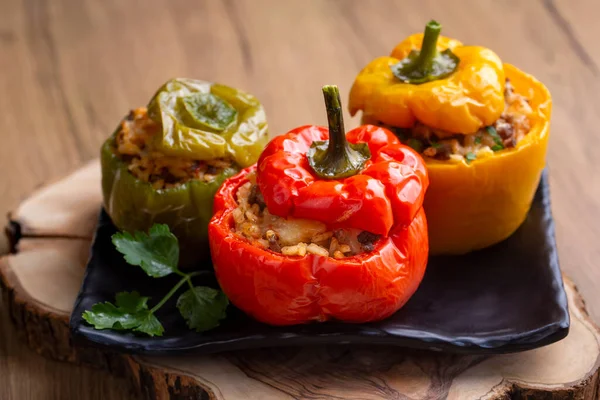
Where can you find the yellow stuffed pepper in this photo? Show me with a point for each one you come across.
(482, 127)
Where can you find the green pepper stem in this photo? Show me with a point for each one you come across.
(336, 158)
(335, 118)
(427, 64)
(429, 47)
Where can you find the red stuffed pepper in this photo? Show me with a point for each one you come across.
(328, 225)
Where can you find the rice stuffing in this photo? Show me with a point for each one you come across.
(293, 236)
(133, 144)
(505, 133)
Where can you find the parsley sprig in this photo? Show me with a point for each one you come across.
(470, 156)
(157, 254)
(497, 139)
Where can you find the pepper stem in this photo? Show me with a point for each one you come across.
(336, 158)
(335, 119)
(428, 64)
(429, 47)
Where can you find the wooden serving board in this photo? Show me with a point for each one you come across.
(49, 235)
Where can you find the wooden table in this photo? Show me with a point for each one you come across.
(70, 69)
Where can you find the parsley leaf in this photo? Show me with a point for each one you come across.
(156, 252)
(436, 145)
(202, 307)
(494, 134)
(108, 316)
(470, 156)
(401, 133)
(497, 147)
(477, 139)
(492, 131)
(131, 302)
(415, 144)
(131, 312)
(150, 325)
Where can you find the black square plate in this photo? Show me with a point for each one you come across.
(506, 298)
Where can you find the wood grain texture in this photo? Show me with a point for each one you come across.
(42, 277)
(70, 69)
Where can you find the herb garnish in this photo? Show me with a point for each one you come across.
(497, 139)
(157, 253)
(416, 145)
(436, 145)
(470, 156)
(401, 133)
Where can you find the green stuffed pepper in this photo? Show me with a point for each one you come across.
(164, 163)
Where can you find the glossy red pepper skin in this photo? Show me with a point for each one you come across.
(282, 290)
(384, 198)
(388, 191)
